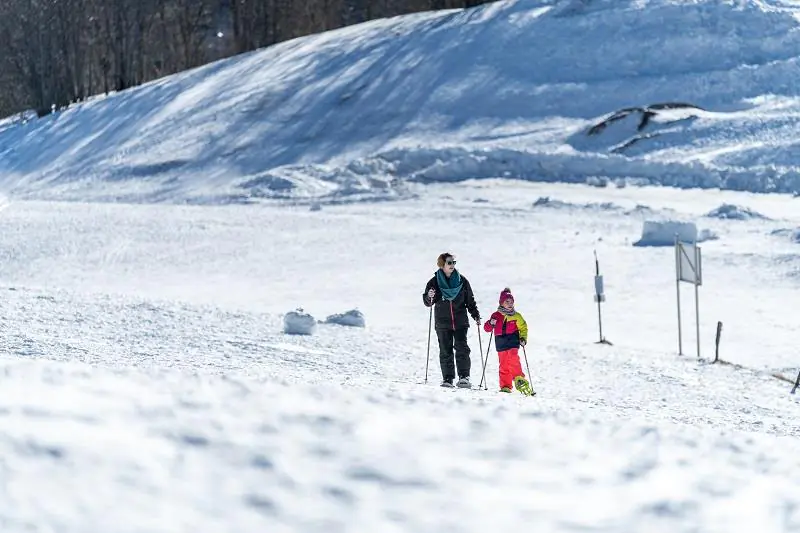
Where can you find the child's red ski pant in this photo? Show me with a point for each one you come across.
(509, 367)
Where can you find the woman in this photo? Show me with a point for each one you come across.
(452, 296)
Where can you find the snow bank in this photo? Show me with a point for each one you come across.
(455, 164)
(735, 212)
(353, 318)
(299, 322)
(663, 232)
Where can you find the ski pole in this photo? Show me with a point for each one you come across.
(486, 361)
(428, 356)
(480, 344)
(530, 381)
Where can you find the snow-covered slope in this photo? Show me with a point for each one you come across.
(509, 89)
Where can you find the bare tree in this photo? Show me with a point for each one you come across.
(313, 16)
(192, 19)
(32, 51)
(54, 52)
(256, 23)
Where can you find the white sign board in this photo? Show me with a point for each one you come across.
(690, 263)
(688, 267)
(599, 296)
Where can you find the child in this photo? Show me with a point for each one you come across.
(510, 332)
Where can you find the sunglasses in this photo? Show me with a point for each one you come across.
(451, 262)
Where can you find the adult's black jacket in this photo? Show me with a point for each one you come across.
(451, 314)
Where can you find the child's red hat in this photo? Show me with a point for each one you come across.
(506, 295)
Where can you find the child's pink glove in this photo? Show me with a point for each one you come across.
(493, 321)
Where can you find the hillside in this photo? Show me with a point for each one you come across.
(509, 89)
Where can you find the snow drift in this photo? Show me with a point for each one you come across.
(353, 318)
(664, 233)
(735, 212)
(792, 234)
(600, 207)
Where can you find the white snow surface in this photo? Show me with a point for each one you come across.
(147, 384)
(702, 93)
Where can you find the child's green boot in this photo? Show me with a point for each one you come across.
(523, 386)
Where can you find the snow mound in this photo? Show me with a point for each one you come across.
(663, 232)
(353, 318)
(641, 209)
(299, 322)
(791, 234)
(546, 201)
(707, 235)
(735, 212)
(610, 207)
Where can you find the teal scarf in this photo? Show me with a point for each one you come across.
(450, 287)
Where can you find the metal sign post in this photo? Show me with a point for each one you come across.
(599, 296)
(688, 268)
